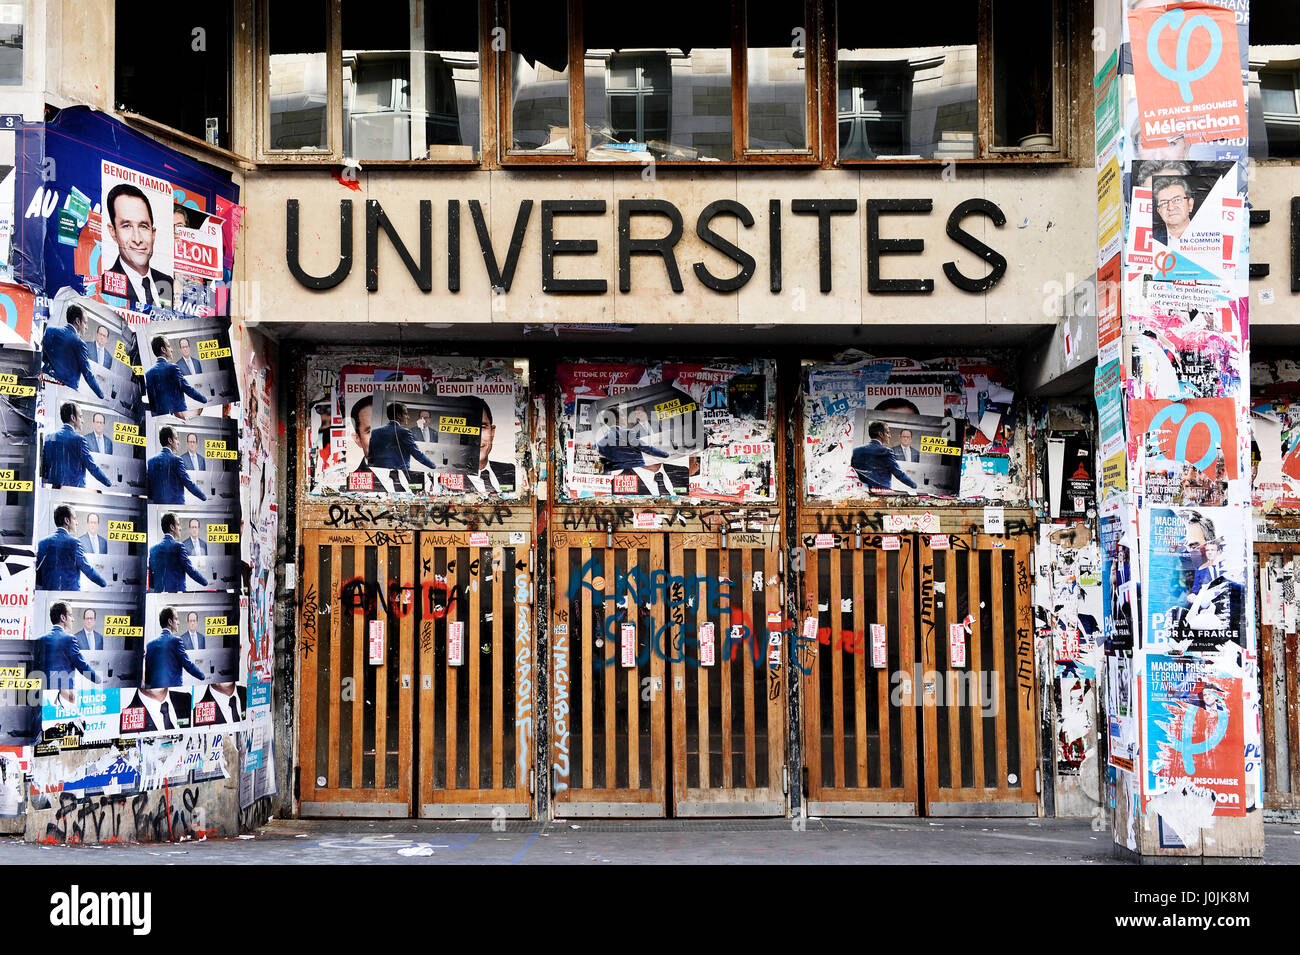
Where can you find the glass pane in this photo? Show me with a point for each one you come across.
(669, 96)
(411, 81)
(11, 44)
(539, 77)
(149, 61)
(298, 74)
(1022, 75)
(777, 80)
(908, 86)
(1275, 100)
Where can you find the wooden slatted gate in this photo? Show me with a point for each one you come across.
(355, 739)
(728, 705)
(1279, 673)
(477, 673)
(358, 744)
(664, 593)
(973, 749)
(859, 722)
(980, 707)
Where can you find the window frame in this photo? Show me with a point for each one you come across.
(741, 154)
(986, 152)
(333, 154)
(239, 150)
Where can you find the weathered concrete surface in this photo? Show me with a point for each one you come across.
(824, 842)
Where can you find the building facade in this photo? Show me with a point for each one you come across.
(708, 430)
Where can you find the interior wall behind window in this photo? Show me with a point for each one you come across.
(297, 37)
(171, 68)
(1275, 79)
(410, 80)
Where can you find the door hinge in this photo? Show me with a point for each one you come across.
(532, 781)
(785, 780)
(1038, 781)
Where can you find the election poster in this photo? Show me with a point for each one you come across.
(1188, 70)
(192, 639)
(18, 443)
(22, 680)
(199, 261)
(137, 236)
(687, 430)
(1275, 450)
(891, 427)
(17, 311)
(1185, 452)
(189, 365)
(91, 350)
(192, 459)
(452, 428)
(90, 542)
(1116, 584)
(88, 443)
(194, 546)
(1194, 732)
(107, 627)
(1193, 558)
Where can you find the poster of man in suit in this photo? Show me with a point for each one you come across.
(196, 640)
(177, 386)
(99, 538)
(109, 632)
(137, 237)
(669, 431)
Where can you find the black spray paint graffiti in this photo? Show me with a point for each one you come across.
(714, 520)
(174, 814)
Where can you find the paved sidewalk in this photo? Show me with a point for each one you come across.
(669, 842)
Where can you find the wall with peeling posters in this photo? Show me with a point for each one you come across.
(140, 450)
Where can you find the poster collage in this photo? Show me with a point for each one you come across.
(1173, 397)
(450, 428)
(129, 460)
(942, 428)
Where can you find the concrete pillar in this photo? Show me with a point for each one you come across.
(1172, 390)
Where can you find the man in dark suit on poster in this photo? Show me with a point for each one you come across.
(89, 639)
(100, 443)
(188, 364)
(57, 654)
(156, 710)
(195, 545)
(393, 446)
(65, 356)
(165, 656)
(91, 541)
(192, 459)
(131, 227)
(874, 463)
(219, 704)
(168, 476)
(494, 477)
(904, 451)
(169, 565)
(60, 560)
(65, 458)
(165, 384)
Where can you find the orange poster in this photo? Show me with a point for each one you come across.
(1187, 67)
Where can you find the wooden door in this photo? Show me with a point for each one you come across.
(477, 672)
(977, 691)
(860, 735)
(1279, 673)
(727, 649)
(608, 700)
(356, 670)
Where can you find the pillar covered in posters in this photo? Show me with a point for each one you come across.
(1172, 388)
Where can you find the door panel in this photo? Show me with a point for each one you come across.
(728, 711)
(356, 742)
(475, 706)
(1279, 673)
(981, 715)
(608, 718)
(859, 722)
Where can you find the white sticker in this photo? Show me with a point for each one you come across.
(810, 629)
(376, 642)
(938, 542)
(478, 539)
(995, 520)
(645, 520)
(824, 540)
(707, 640)
(427, 682)
(518, 537)
(898, 522)
(1266, 296)
(560, 629)
(956, 645)
(846, 605)
(774, 648)
(322, 781)
(456, 643)
(926, 523)
(879, 646)
(627, 644)
(891, 542)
